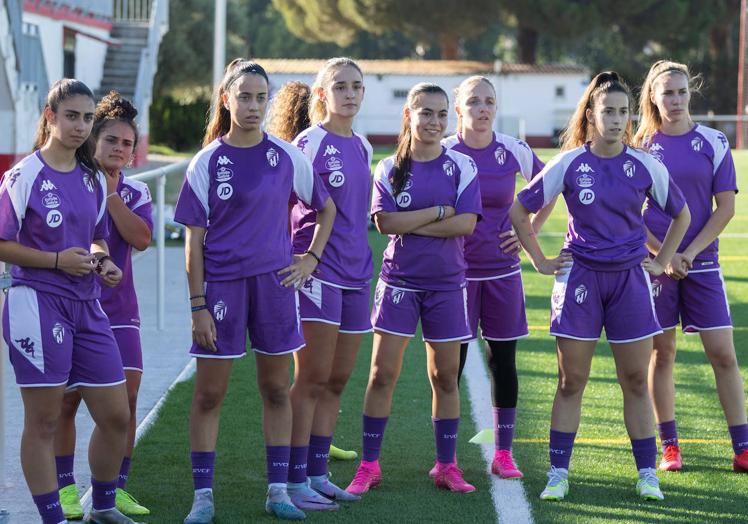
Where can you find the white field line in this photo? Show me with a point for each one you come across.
(563, 234)
(149, 419)
(508, 495)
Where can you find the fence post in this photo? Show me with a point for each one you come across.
(4, 515)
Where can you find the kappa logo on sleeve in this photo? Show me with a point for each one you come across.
(13, 176)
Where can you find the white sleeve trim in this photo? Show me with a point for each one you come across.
(314, 136)
(20, 191)
(719, 143)
(142, 188)
(102, 208)
(657, 172)
(450, 141)
(381, 173)
(368, 147)
(303, 174)
(521, 152)
(468, 169)
(554, 173)
(198, 175)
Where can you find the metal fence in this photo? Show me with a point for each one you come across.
(133, 11)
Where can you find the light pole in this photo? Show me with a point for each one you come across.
(219, 42)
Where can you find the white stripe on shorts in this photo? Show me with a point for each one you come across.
(25, 325)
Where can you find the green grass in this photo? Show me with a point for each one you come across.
(602, 470)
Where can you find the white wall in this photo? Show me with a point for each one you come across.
(8, 84)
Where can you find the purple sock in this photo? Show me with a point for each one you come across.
(739, 435)
(297, 464)
(373, 435)
(319, 452)
(202, 468)
(503, 424)
(49, 507)
(65, 475)
(278, 458)
(103, 494)
(124, 470)
(560, 448)
(445, 432)
(645, 452)
(668, 433)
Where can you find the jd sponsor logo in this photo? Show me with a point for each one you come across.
(272, 156)
(403, 199)
(585, 168)
(224, 174)
(58, 332)
(51, 201)
(586, 196)
(219, 310)
(585, 180)
(336, 179)
(629, 168)
(331, 150)
(224, 191)
(54, 218)
(580, 293)
(500, 155)
(47, 186)
(334, 164)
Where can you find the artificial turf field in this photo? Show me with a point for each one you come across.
(602, 473)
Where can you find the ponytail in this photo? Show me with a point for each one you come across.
(219, 119)
(578, 131)
(289, 112)
(60, 91)
(403, 153)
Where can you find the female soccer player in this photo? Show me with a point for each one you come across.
(53, 229)
(496, 299)
(129, 206)
(426, 198)
(242, 274)
(334, 302)
(603, 272)
(693, 291)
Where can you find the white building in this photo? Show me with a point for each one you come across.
(534, 101)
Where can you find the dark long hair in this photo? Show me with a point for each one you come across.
(62, 90)
(114, 108)
(404, 140)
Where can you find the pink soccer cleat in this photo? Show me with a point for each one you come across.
(368, 475)
(740, 462)
(671, 460)
(503, 465)
(449, 476)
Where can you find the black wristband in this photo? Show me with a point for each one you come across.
(57, 258)
(193, 297)
(199, 308)
(309, 252)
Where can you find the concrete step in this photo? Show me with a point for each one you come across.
(129, 31)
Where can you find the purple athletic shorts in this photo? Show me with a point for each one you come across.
(259, 305)
(498, 305)
(443, 314)
(344, 307)
(584, 301)
(128, 341)
(698, 302)
(54, 341)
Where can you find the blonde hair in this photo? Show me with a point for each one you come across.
(579, 130)
(460, 90)
(289, 111)
(219, 121)
(402, 153)
(317, 107)
(650, 119)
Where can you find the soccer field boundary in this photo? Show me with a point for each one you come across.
(508, 496)
(606, 441)
(149, 419)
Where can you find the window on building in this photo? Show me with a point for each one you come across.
(400, 93)
(68, 53)
(560, 92)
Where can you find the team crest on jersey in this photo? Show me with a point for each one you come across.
(397, 295)
(54, 218)
(224, 191)
(223, 160)
(629, 168)
(219, 310)
(585, 180)
(336, 179)
(224, 174)
(47, 185)
(125, 195)
(586, 196)
(656, 288)
(584, 167)
(331, 150)
(500, 155)
(696, 143)
(403, 199)
(449, 168)
(51, 201)
(334, 164)
(580, 293)
(58, 332)
(272, 156)
(88, 180)
(408, 183)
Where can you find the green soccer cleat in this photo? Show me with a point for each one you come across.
(648, 485)
(71, 503)
(558, 484)
(127, 504)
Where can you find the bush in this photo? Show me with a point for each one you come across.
(176, 124)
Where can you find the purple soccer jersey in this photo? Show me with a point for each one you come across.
(52, 211)
(421, 262)
(241, 195)
(604, 197)
(342, 165)
(120, 303)
(701, 164)
(498, 165)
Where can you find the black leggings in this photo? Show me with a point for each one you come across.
(501, 363)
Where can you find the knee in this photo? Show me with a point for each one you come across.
(313, 385)
(723, 360)
(571, 384)
(634, 382)
(445, 380)
(209, 399)
(41, 427)
(274, 395)
(336, 385)
(663, 354)
(382, 379)
(70, 405)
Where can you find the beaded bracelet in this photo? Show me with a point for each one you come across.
(314, 255)
(199, 308)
